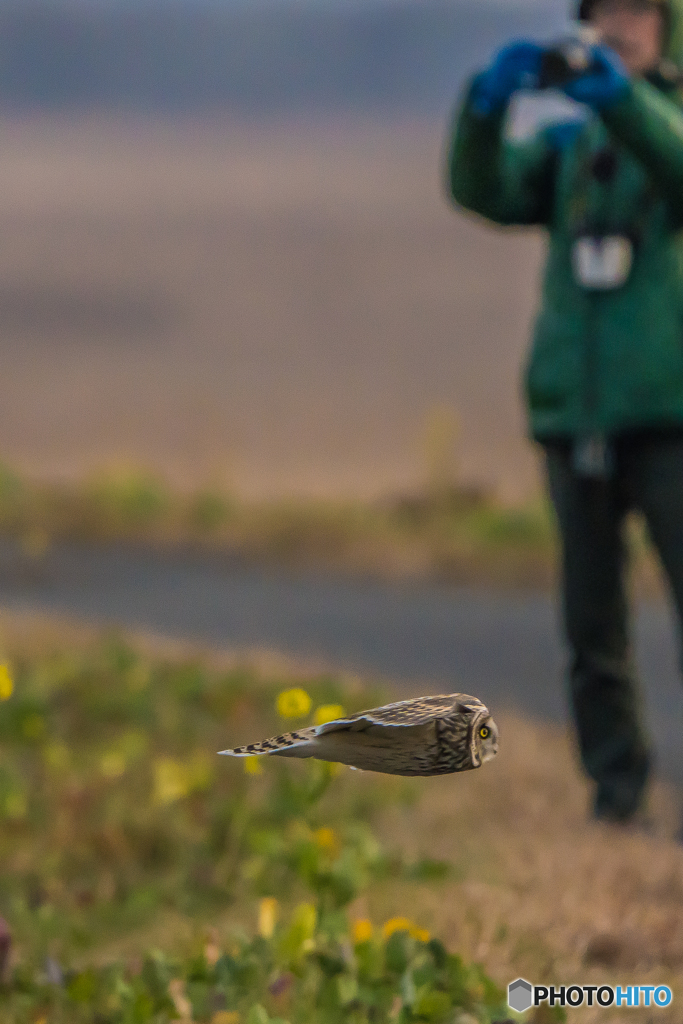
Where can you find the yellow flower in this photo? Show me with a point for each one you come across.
(267, 916)
(113, 765)
(253, 766)
(327, 839)
(6, 683)
(170, 781)
(293, 703)
(362, 930)
(396, 924)
(225, 1017)
(420, 934)
(328, 713)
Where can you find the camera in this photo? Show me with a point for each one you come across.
(569, 59)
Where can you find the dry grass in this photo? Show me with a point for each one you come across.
(544, 892)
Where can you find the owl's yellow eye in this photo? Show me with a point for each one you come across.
(484, 732)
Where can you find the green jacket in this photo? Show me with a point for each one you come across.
(600, 361)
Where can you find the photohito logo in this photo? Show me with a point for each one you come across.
(522, 995)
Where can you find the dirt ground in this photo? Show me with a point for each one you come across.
(279, 308)
(544, 893)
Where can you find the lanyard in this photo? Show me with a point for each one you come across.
(599, 165)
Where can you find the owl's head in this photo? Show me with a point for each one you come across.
(483, 738)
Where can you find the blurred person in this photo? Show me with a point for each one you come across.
(604, 380)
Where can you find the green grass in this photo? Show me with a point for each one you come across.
(144, 878)
(452, 535)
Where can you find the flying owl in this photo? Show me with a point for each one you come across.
(422, 736)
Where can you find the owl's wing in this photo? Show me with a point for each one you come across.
(404, 714)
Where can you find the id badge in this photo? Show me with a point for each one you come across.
(602, 262)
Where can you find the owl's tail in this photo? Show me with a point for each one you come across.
(290, 744)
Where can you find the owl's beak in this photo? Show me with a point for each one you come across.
(489, 753)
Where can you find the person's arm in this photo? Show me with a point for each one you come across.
(651, 126)
(639, 116)
(505, 182)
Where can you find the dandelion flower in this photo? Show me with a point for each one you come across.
(170, 781)
(326, 839)
(6, 683)
(420, 934)
(293, 703)
(253, 766)
(396, 924)
(327, 713)
(362, 930)
(267, 916)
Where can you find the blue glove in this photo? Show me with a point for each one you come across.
(514, 67)
(606, 82)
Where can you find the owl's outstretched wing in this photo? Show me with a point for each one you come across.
(406, 713)
(397, 738)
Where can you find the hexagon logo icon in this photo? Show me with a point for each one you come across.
(520, 995)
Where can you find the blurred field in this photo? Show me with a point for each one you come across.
(278, 308)
(122, 834)
(452, 535)
(444, 532)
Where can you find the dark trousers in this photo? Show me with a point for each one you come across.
(648, 476)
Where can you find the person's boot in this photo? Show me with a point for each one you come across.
(623, 805)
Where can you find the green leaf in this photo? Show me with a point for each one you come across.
(396, 952)
(347, 988)
(258, 1015)
(82, 987)
(300, 932)
(433, 1005)
(408, 990)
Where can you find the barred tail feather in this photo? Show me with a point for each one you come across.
(289, 741)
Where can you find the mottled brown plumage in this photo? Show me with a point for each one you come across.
(423, 736)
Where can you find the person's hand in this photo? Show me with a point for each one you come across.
(605, 82)
(514, 67)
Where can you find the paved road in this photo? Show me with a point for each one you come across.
(503, 648)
